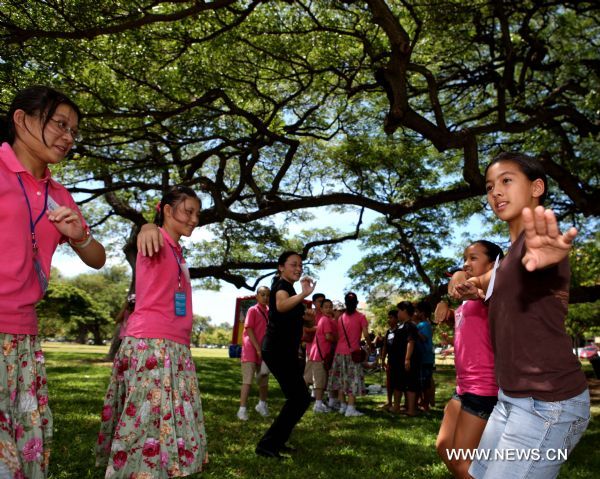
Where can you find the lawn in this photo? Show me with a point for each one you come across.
(376, 445)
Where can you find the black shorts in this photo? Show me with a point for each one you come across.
(480, 406)
(401, 380)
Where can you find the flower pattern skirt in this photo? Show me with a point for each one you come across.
(25, 418)
(347, 376)
(152, 421)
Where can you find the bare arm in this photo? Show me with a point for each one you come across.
(365, 332)
(93, 254)
(410, 347)
(284, 302)
(68, 222)
(149, 240)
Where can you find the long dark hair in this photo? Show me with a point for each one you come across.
(36, 100)
(529, 166)
(283, 257)
(173, 197)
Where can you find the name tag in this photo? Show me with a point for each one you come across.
(52, 204)
(180, 303)
(42, 279)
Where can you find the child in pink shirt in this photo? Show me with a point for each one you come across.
(466, 414)
(152, 420)
(38, 214)
(255, 327)
(318, 361)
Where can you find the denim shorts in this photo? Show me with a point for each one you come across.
(480, 406)
(529, 438)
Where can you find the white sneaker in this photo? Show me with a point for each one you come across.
(320, 408)
(342, 408)
(262, 409)
(352, 412)
(335, 406)
(242, 414)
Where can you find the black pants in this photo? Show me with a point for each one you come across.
(284, 366)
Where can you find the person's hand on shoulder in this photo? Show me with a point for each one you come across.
(149, 240)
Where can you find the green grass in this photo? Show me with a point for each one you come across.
(376, 445)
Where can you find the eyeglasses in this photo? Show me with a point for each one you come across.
(64, 128)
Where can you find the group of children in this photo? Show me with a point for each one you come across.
(408, 358)
(519, 388)
(152, 420)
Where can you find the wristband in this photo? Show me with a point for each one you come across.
(87, 239)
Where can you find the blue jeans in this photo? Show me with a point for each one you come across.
(528, 438)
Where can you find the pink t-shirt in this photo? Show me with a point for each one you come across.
(256, 318)
(354, 324)
(156, 282)
(19, 285)
(309, 345)
(473, 354)
(326, 326)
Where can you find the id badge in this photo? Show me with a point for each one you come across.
(43, 280)
(180, 306)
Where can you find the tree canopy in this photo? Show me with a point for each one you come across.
(271, 108)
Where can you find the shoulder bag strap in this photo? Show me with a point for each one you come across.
(345, 333)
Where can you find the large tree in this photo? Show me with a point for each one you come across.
(275, 107)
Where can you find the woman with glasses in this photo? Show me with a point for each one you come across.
(37, 215)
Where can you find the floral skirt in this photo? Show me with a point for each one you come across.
(25, 418)
(347, 376)
(152, 421)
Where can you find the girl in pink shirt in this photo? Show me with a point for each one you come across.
(37, 215)
(152, 420)
(466, 414)
(255, 327)
(318, 359)
(346, 376)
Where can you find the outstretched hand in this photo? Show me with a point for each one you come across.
(544, 244)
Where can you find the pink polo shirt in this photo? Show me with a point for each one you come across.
(326, 326)
(309, 345)
(473, 353)
(19, 285)
(156, 281)
(256, 319)
(354, 324)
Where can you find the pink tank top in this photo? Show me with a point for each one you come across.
(473, 354)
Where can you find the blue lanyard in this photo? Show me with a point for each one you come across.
(178, 265)
(33, 224)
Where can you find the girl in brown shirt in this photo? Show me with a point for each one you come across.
(543, 404)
